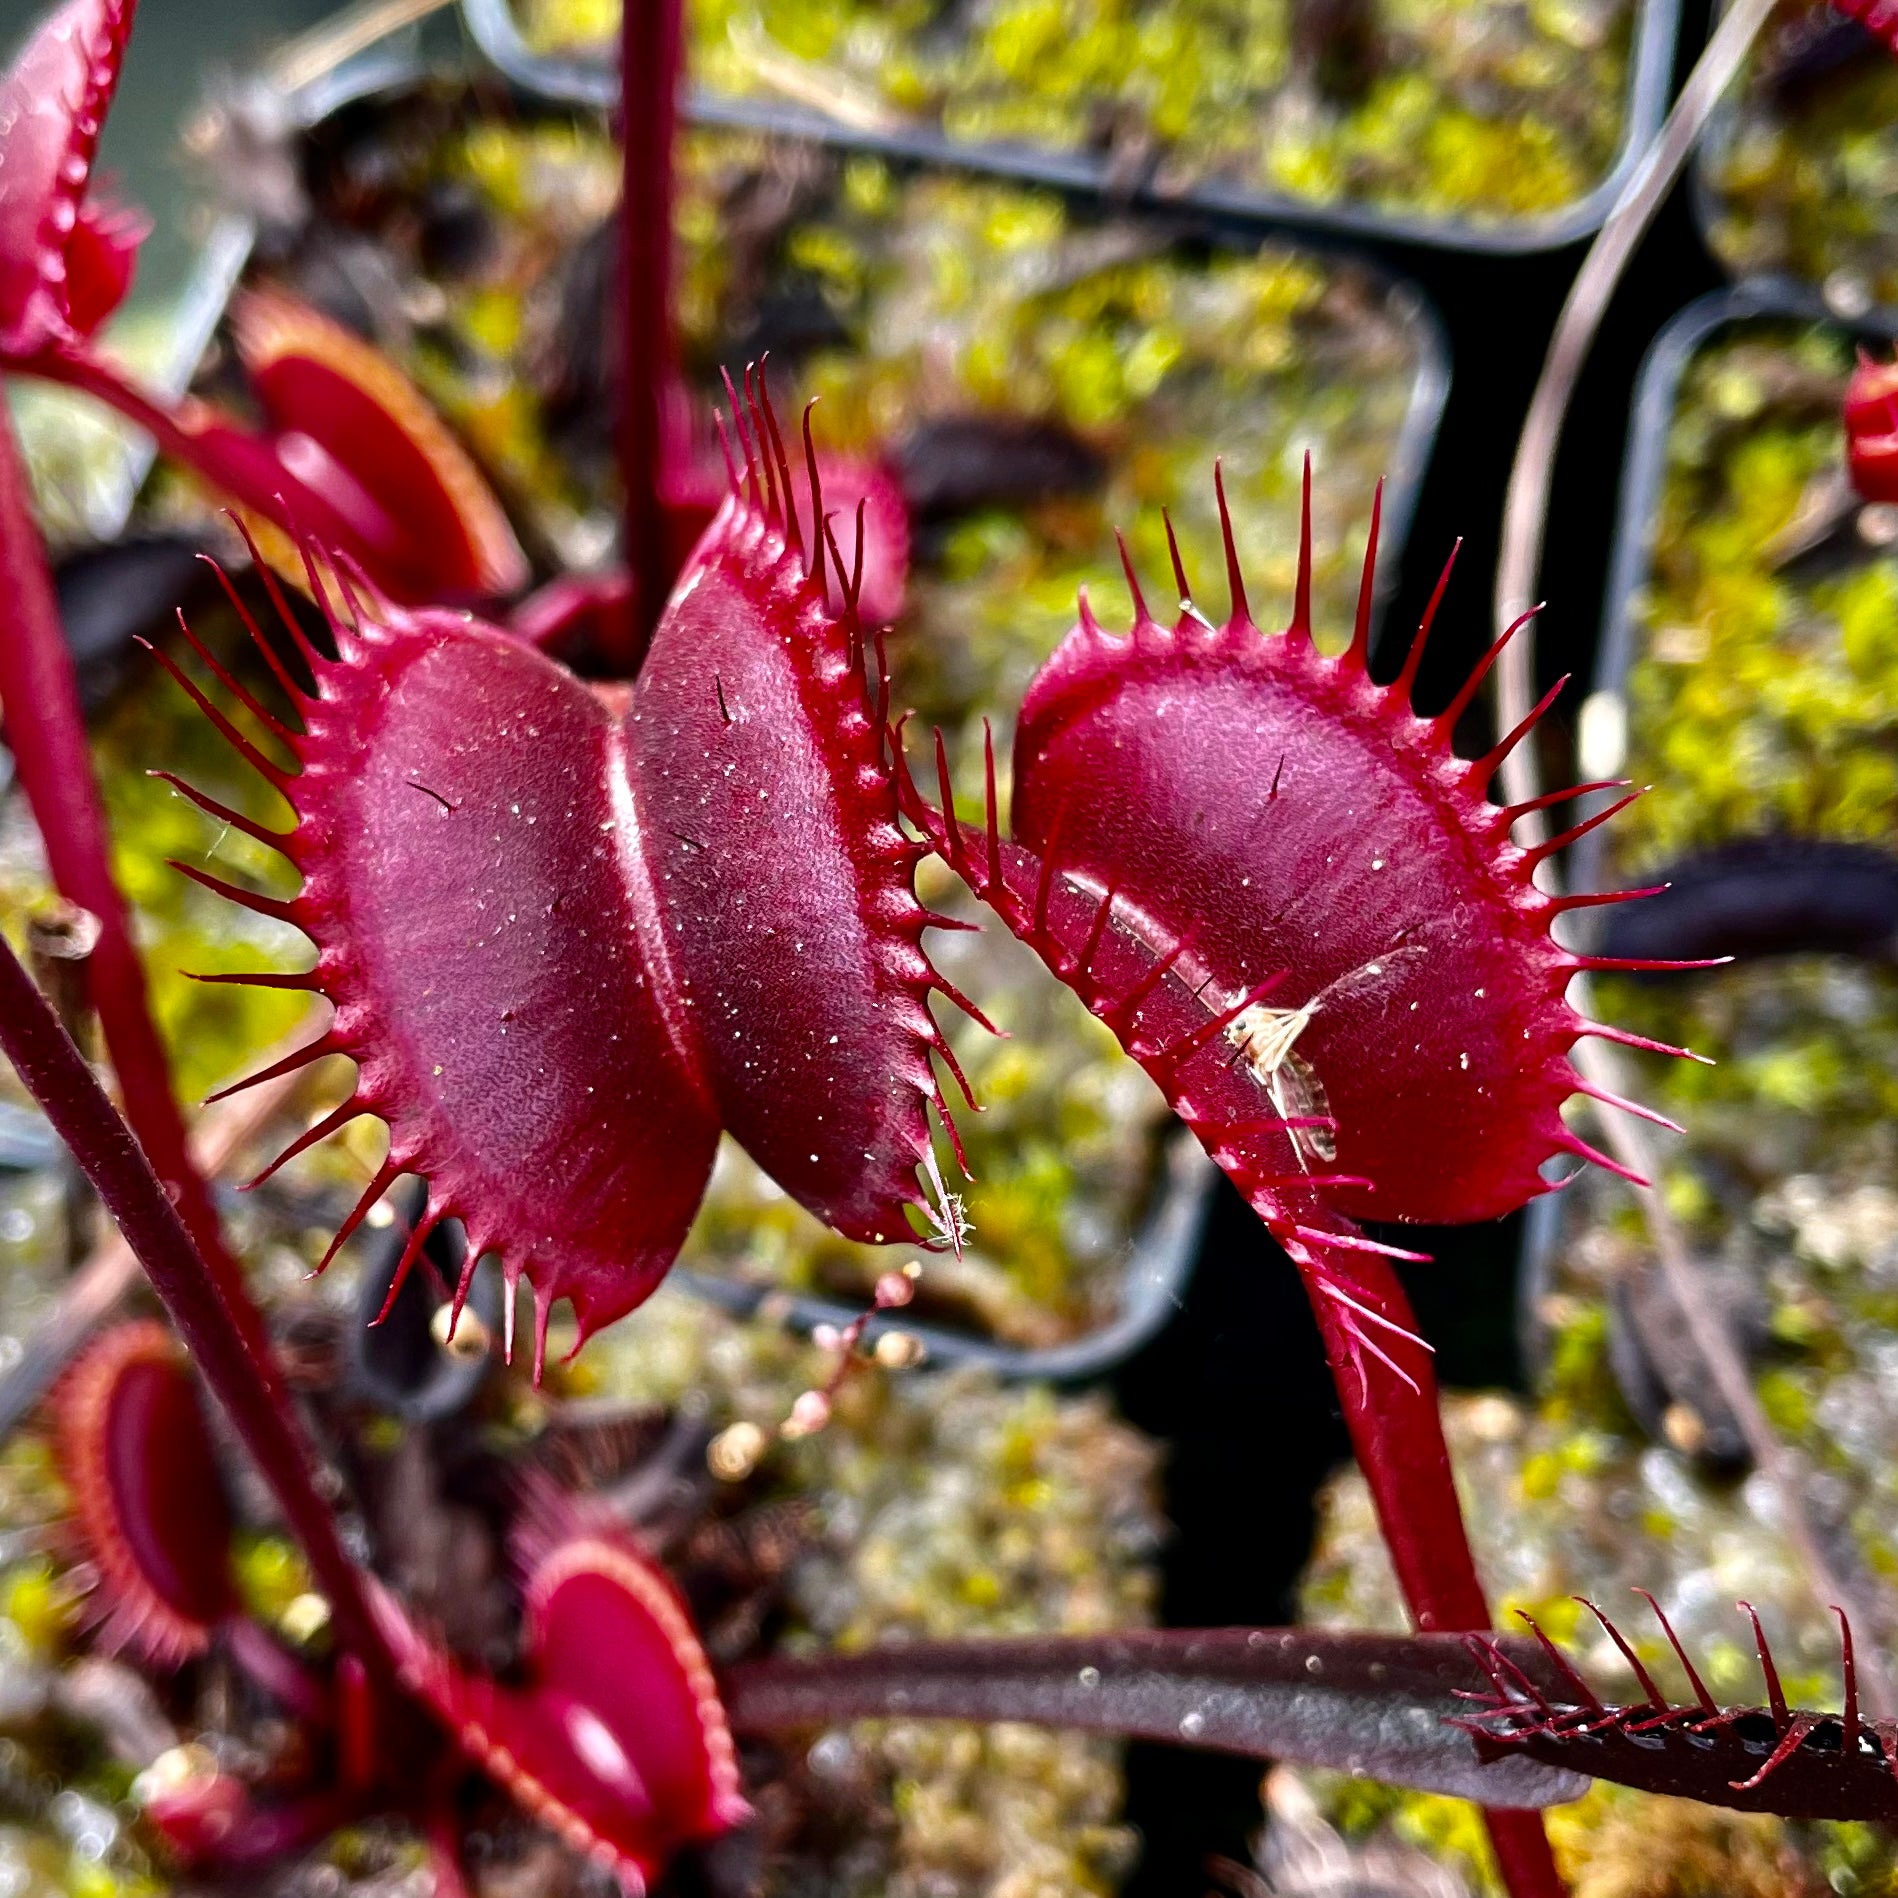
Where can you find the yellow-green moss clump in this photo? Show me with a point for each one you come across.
(1475, 109)
(1764, 689)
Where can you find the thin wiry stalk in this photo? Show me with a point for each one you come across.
(46, 730)
(649, 81)
(1526, 508)
(245, 1380)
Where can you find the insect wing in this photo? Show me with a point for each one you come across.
(1298, 1094)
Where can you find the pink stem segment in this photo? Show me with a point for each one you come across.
(1397, 1433)
(39, 692)
(650, 49)
(245, 1380)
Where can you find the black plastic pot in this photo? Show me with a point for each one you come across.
(581, 81)
(1156, 1266)
(1193, 227)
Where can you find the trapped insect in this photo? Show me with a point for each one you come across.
(1264, 1038)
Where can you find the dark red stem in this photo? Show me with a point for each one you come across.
(650, 47)
(45, 727)
(244, 1378)
(1397, 1433)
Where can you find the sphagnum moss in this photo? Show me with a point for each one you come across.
(1805, 176)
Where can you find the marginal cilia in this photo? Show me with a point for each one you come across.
(1775, 1758)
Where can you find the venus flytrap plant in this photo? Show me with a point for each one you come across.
(150, 1509)
(1319, 941)
(1871, 428)
(689, 906)
(137, 1440)
(625, 1762)
(748, 657)
(571, 932)
(1366, 1709)
(692, 897)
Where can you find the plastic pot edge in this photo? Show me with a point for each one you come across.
(594, 83)
(1160, 1261)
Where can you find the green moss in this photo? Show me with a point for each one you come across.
(41, 1604)
(1450, 1831)
(1762, 699)
(271, 1574)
